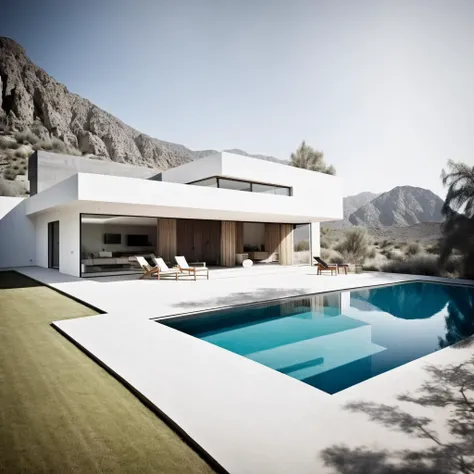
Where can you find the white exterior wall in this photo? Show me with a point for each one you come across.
(17, 234)
(69, 251)
(195, 170)
(315, 188)
(92, 193)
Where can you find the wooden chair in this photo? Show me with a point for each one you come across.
(193, 271)
(324, 267)
(159, 269)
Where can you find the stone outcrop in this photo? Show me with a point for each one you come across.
(31, 99)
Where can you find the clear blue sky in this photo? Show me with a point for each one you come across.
(384, 88)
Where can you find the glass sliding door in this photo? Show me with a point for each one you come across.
(53, 245)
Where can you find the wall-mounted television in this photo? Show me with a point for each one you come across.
(112, 238)
(137, 240)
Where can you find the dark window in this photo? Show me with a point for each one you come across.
(239, 185)
(269, 189)
(210, 183)
(233, 184)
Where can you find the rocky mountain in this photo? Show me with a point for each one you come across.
(402, 206)
(31, 100)
(352, 203)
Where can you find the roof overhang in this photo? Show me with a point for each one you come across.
(93, 193)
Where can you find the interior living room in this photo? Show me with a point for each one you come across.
(109, 244)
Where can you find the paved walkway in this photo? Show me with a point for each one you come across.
(249, 418)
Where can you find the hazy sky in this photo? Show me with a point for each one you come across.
(384, 88)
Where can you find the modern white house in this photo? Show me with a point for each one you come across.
(91, 217)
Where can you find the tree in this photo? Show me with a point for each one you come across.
(458, 210)
(310, 159)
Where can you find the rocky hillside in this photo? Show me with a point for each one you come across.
(402, 206)
(52, 118)
(352, 203)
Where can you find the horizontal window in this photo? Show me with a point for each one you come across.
(237, 185)
(248, 186)
(269, 189)
(210, 183)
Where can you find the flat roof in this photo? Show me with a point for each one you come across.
(132, 196)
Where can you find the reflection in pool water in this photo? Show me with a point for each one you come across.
(335, 340)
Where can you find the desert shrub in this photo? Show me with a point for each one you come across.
(370, 267)
(26, 137)
(395, 254)
(58, 145)
(5, 143)
(433, 249)
(15, 167)
(331, 256)
(302, 245)
(355, 246)
(11, 188)
(385, 243)
(413, 248)
(9, 174)
(418, 265)
(376, 243)
(372, 252)
(325, 242)
(46, 145)
(21, 153)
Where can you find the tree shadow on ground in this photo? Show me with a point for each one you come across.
(243, 297)
(449, 387)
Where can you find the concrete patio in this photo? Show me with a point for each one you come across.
(247, 417)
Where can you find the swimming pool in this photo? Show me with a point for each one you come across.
(335, 340)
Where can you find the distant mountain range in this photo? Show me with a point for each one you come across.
(402, 206)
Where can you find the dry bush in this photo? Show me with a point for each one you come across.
(9, 174)
(355, 246)
(325, 242)
(385, 244)
(331, 256)
(433, 249)
(301, 257)
(26, 137)
(11, 188)
(396, 255)
(22, 153)
(418, 265)
(413, 248)
(372, 252)
(57, 146)
(5, 143)
(302, 245)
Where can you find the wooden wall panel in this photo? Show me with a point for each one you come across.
(286, 244)
(272, 240)
(239, 237)
(166, 239)
(228, 243)
(199, 240)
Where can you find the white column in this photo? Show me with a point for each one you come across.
(315, 246)
(69, 250)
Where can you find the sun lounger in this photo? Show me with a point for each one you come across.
(185, 268)
(160, 268)
(332, 267)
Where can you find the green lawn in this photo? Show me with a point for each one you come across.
(59, 410)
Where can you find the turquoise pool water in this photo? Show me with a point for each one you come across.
(335, 340)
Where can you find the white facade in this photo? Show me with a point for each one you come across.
(315, 197)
